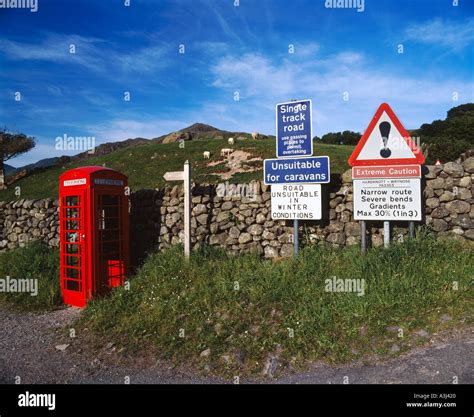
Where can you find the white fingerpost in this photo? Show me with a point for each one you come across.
(184, 176)
(187, 209)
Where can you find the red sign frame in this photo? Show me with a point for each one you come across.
(384, 107)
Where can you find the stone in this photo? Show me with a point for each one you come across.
(433, 171)
(347, 176)
(469, 165)
(270, 252)
(432, 202)
(465, 182)
(458, 206)
(287, 250)
(436, 183)
(199, 209)
(453, 169)
(352, 229)
(205, 353)
(469, 234)
(255, 230)
(463, 193)
(268, 235)
(439, 212)
(227, 205)
(234, 232)
(336, 238)
(270, 366)
(202, 218)
(395, 348)
(439, 225)
(335, 227)
(446, 196)
(261, 218)
(222, 217)
(62, 347)
(462, 220)
(245, 238)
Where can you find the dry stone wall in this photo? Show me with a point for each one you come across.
(238, 219)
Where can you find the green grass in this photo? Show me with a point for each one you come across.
(146, 164)
(408, 285)
(35, 261)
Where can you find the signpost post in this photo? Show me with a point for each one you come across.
(184, 176)
(386, 172)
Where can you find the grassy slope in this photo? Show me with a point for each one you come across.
(145, 165)
(409, 286)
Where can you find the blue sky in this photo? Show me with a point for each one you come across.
(338, 54)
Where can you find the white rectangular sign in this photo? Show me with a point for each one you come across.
(79, 181)
(387, 199)
(296, 201)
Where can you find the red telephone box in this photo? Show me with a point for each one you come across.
(94, 235)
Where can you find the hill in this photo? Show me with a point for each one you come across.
(145, 164)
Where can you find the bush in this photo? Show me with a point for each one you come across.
(35, 261)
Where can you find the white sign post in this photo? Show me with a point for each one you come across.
(296, 201)
(184, 176)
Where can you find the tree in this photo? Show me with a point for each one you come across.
(12, 145)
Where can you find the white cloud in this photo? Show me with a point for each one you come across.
(92, 53)
(447, 33)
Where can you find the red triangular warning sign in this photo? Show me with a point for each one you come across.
(385, 142)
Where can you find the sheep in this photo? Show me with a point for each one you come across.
(230, 141)
(255, 135)
(206, 154)
(226, 151)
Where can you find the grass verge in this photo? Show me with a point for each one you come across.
(35, 261)
(230, 313)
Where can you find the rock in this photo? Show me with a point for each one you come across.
(469, 234)
(458, 206)
(267, 235)
(469, 165)
(465, 182)
(439, 213)
(261, 218)
(462, 220)
(392, 329)
(205, 353)
(432, 202)
(245, 238)
(255, 230)
(433, 171)
(352, 229)
(439, 225)
(453, 169)
(347, 176)
(62, 348)
(422, 333)
(202, 218)
(436, 183)
(444, 318)
(199, 209)
(463, 193)
(234, 232)
(395, 348)
(446, 196)
(336, 238)
(227, 205)
(286, 250)
(222, 217)
(270, 366)
(270, 252)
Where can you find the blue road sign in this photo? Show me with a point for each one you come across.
(294, 132)
(311, 170)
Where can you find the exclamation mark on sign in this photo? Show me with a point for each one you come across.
(384, 128)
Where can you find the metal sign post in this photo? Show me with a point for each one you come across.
(363, 236)
(184, 176)
(295, 238)
(386, 234)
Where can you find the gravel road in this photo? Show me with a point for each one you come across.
(37, 349)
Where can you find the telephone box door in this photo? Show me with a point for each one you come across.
(110, 237)
(73, 251)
